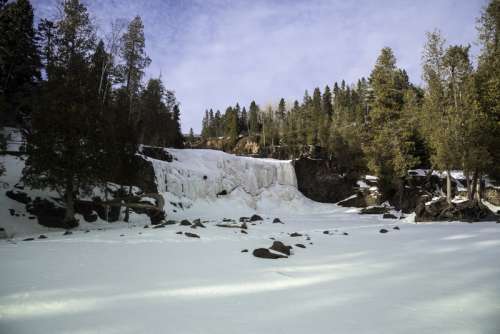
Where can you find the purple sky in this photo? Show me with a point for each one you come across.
(214, 53)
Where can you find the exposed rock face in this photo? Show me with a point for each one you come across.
(49, 215)
(158, 153)
(278, 246)
(320, 181)
(440, 210)
(492, 195)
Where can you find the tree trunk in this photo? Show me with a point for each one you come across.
(474, 185)
(448, 186)
(467, 179)
(69, 215)
(127, 210)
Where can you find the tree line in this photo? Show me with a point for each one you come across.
(80, 98)
(386, 125)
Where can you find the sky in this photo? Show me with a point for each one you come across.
(215, 53)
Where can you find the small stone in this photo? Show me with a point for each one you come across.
(326, 232)
(178, 232)
(300, 245)
(345, 233)
(42, 236)
(185, 222)
(67, 233)
(277, 221)
(295, 234)
(87, 231)
(244, 226)
(31, 217)
(244, 232)
(191, 235)
(244, 251)
(383, 230)
(389, 216)
(29, 239)
(122, 235)
(396, 228)
(146, 226)
(159, 226)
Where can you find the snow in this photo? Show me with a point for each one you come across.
(424, 278)
(362, 184)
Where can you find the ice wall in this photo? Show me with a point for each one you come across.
(202, 174)
(200, 177)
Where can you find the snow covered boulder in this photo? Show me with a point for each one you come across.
(440, 210)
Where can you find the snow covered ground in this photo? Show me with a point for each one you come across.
(422, 278)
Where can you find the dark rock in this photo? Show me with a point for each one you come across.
(146, 226)
(300, 245)
(12, 212)
(29, 239)
(345, 233)
(178, 232)
(278, 246)
(158, 153)
(244, 250)
(295, 234)
(389, 216)
(321, 181)
(383, 230)
(49, 215)
(87, 231)
(440, 210)
(244, 232)
(170, 222)
(42, 236)
(204, 177)
(17, 215)
(222, 193)
(244, 226)
(31, 217)
(255, 218)
(18, 196)
(374, 210)
(271, 238)
(67, 233)
(198, 223)
(264, 253)
(396, 228)
(326, 232)
(91, 218)
(155, 216)
(159, 226)
(185, 222)
(191, 235)
(122, 235)
(277, 221)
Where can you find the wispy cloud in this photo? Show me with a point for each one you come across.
(215, 53)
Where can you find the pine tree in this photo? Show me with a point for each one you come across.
(253, 118)
(64, 147)
(19, 61)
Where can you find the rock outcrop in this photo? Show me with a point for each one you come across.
(320, 181)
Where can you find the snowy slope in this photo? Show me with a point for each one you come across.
(424, 278)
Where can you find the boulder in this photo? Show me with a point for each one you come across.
(42, 236)
(264, 253)
(255, 218)
(277, 221)
(18, 196)
(295, 234)
(396, 228)
(383, 230)
(278, 246)
(185, 222)
(440, 210)
(49, 214)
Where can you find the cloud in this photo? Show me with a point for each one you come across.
(217, 53)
